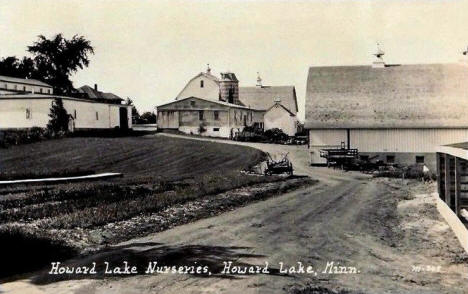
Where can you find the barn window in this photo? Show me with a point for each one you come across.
(192, 102)
(390, 158)
(215, 129)
(419, 159)
(97, 115)
(28, 113)
(202, 84)
(216, 115)
(200, 115)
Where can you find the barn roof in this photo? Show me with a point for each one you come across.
(262, 98)
(399, 96)
(24, 81)
(94, 94)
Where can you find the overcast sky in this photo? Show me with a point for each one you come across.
(148, 50)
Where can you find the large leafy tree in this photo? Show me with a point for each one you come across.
(53, 60)
(58, 58)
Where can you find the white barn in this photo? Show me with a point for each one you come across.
(265, 107)
(397, 113)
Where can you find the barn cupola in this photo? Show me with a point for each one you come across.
(229, 88)
(378, 62)
(259, 80)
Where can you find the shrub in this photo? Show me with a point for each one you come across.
(26, 136)
(276, 135)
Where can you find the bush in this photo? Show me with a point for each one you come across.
(26, 136)
(276, 135)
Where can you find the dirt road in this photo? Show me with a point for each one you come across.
(386, 230)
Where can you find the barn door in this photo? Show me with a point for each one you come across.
(123, 114)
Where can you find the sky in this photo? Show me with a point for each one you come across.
(149, 50)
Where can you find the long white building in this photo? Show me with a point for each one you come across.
(92, 110)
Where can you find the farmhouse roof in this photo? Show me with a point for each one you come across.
(95, 94)
(263, 97)
(400, 96)
(24, 81)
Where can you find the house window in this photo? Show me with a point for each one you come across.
(24, 88)
(215, 129)
(419, 159)
(192, 103)
(28, 113)
(202, 84)
(216, 115)
(74, 113)
(48, 91)
(97, 115)
(16, 87)
(390, 158)
(200, 115)
(40, 90)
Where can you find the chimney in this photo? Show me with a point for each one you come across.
(95, 87)
(378, 62)
(208, 69)
(259, 80)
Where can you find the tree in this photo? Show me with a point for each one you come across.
(57, 58)
(135, 114)
(148, 118)
(59, 118)
(13, 67)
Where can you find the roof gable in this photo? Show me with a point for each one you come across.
(406, 96)
(282, 107)
(262, 98)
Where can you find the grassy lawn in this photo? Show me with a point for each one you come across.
(158, 172)
(138, 158)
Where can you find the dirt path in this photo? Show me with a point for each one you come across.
(386, 229)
